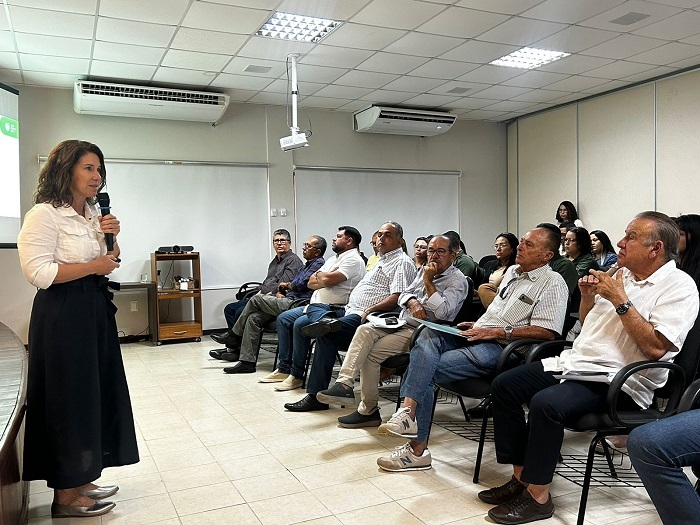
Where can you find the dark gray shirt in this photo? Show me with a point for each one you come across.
(281, 270)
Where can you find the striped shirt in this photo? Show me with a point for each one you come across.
(535, 298)
(393, 273)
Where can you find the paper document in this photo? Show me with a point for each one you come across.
(441, 327)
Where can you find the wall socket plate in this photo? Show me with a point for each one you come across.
(134, 306)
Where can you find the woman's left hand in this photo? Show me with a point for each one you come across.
(109, 224)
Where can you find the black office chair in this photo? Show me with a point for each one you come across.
(248, 290)
(691, 401)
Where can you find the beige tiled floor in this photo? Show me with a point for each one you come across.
(218, 449)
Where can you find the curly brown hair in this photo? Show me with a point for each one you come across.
(56, 175)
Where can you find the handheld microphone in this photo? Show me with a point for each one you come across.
(103, 201)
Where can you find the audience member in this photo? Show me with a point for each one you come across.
(578, 249)
(420, 251)
(603, 250)
(437, 293)
(283, 267)
(563, 228)
(378, 291)
(689, 245)
(561, 264)
(332, 285)
(643, 312)
(531, 303)
(658, 452)
(464, 261)
(262, 309)
(567, 213)
(373, 258)
(506, 249)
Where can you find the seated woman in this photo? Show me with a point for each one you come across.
(603, 250)
(567, 213)
(420, 251)
(689, 246)
(506, 247)
(578, 249)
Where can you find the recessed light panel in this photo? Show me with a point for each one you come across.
(529, 58)
(298, 28)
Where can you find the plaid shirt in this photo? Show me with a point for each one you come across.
(299, 285)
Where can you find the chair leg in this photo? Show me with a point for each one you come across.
(432, 415)
(482, 438)
(464, 409)
(398, 394)
(308, 364)
(587, 480)
(277, 354)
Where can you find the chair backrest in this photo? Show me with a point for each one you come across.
(487, 258)
(468, 306)
(688, 359)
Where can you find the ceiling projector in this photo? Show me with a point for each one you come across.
(298, 140)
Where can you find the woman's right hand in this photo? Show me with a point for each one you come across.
(104, 265)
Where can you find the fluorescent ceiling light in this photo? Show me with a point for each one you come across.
(529, 58)
(298, 28)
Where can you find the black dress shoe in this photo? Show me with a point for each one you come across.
(523, 509)
(240, 367)
(323, 326)
(503, 493)
(217, 353)
(231, 357)
(227, 338)
(306, 404)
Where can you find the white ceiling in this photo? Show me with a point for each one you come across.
(396, 52)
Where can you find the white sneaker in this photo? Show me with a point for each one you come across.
(274, 377)
(291, 383)
(400, 425)
(403, 458)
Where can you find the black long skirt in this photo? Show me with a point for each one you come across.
(79, 417)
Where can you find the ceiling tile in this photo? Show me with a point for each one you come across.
(6, 43)
(567, 98)
(578, 83)
(170, 75)
(655, 11)
(337, 10)
(693, 40)
(508, 105)
(430, 101)
(195, 60)
(446, 69)
(111, 52)
(4, 24)
(10, 76)
(190, 39)
(336, 56)
(324, 75)
(130, 32)
(574, 64)
(260, 4)
(674, 27)
(398, 14)
(568, 12)
(239, 95)
(688, 62)
(367, 79)
(476, 52)
(305, 88)
(680, 3)
(461, 22)
(362, 36)
(356, 105)
(168, 12)
(52, 64)
(471, 88)
(508, 7)
(413, 84)
(468, 103)
(225, 80)
(482, 114)
(521, 31)
(8, 60)
(534, 79)
(324, 102)
(502, 92)
(619, 69)
(422, 44)
(228, 19)
(667, 54)
(276, 99)
(349, 92)
(391, 63)
(52, 80)
(540, 95)
(120, 72)
(623, 46)
(54, 23)
(272, 49)
(574, 39)
(238, 64)
(489, 74)
(59, 46)
(383, 96)
(88, 7)
(652, 73)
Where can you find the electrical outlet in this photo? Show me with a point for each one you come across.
(134, 306)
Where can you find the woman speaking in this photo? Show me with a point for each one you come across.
(79, 417)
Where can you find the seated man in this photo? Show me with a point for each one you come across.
(264, 308)
(378, 291)
(531, 303)
(643, 312)
(464, 262)
(437, 293)
(282, 268)
(560, 264)
(332, 284)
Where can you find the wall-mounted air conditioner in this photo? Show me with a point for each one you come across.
(402, 121)
(120, 100)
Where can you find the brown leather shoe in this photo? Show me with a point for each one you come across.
(523, 509)
(504, 493)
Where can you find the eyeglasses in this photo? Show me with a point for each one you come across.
(501, 246)
(504, 290)
(306, 246)
(440, 252)
(278, 241)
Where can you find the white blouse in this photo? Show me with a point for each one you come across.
(52, 236)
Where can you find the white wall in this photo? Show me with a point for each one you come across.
(250, 133)
(613, 156)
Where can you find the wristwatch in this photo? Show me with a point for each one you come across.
(623, 308)
(509, 332)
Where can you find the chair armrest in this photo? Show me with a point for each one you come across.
(547, 349)
(511, 349)
(691, 397)
(628, 371)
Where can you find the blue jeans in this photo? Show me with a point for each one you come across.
(437, 357)
(658, 450)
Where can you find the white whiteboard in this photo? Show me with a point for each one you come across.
(425, 203)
